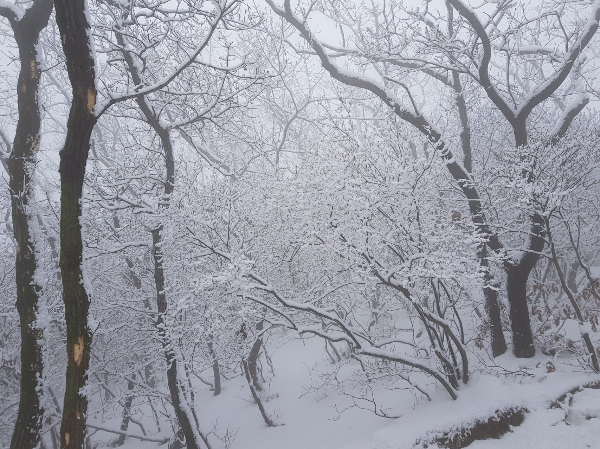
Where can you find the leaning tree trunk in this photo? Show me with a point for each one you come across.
(253, 361)
(75, 31)
(490, 292)
(585, 336)
(20, 167)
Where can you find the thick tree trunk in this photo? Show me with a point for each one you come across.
(517, 275)
(516, 288)
(75, 31)
(493, 312)
(20, 166)
(79, 337)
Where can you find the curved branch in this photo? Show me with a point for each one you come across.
(484, 64)
(347, 334)
(10, 11)
(102, 107)
(544, 90)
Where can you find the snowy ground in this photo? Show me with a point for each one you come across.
(316, 420)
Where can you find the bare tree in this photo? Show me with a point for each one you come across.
(477, 65)
(20, 165)
(73, 21)
(74, 26)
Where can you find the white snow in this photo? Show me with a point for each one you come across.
(323, 418)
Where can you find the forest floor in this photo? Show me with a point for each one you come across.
(314, 413)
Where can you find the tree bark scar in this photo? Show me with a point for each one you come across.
(33, 142)
(34, 69)
(91, 100)
(35, 147)
(78, 350)
(67, 439)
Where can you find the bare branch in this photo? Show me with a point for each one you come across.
(130, 435)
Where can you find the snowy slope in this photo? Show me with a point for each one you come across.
(320, 418)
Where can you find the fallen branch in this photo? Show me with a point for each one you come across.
(120, 432)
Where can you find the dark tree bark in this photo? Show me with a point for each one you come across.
(517, 271)
(216, 368)
(253, 363)
(75, 36)
(492, 307)
(126, 413)
(572, 276)
(20, 167)
(268, 421)
(516, 288)
(176, 385)
(463, 115)
(517, 275)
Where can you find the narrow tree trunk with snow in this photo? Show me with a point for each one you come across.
(585, 334)
(177, 382)
(492, 307)
(183, 409)
(267, 419)
(215, 366)
(20, 166)
(126, 413)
